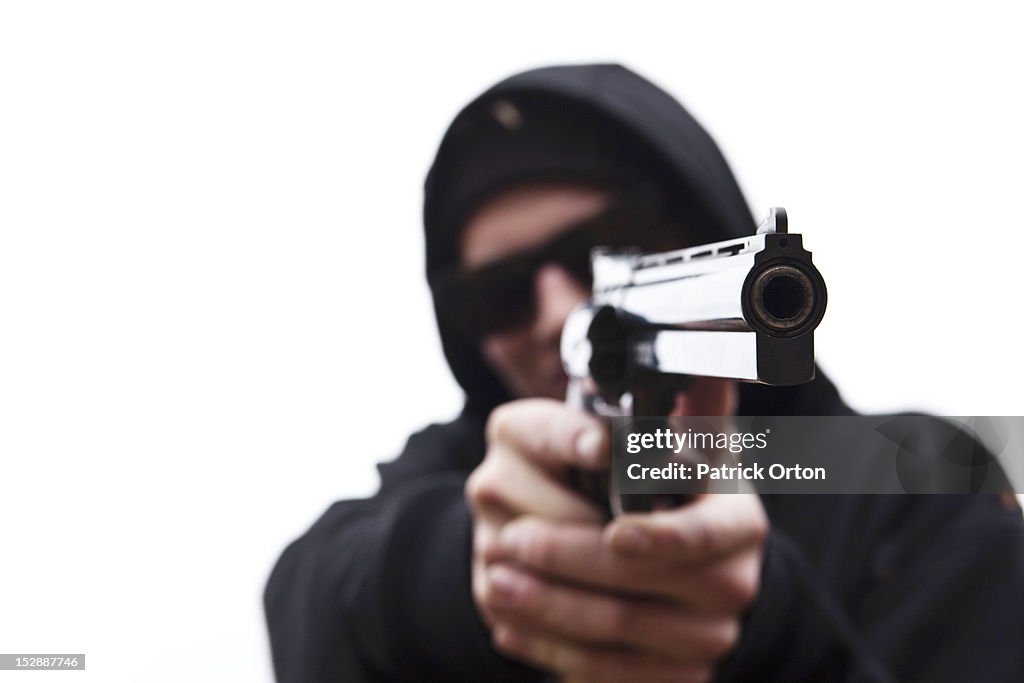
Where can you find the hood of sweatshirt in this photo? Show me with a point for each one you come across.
(598, 123)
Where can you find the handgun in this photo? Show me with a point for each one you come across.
(743, 309)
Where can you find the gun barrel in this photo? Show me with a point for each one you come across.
(782, 298)
(763, 283)
(743, 309)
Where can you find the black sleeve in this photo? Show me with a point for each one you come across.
(379, 589)
(905, 588)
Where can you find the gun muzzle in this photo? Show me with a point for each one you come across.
(783, 299)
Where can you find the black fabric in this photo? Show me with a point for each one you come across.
(854, 588)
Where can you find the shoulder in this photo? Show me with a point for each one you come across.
(452, 447)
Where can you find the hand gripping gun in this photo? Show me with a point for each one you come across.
(744, 309)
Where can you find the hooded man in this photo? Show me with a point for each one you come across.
(477, 561)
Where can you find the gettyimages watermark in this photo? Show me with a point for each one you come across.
(818, 455)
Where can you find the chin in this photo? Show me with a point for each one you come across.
(553, 388)
(552, 385)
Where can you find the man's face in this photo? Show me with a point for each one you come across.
(526, 358)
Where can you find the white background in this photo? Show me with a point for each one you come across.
(212, 315)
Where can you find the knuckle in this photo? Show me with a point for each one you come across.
(724, 637)
(760, 527)
(484, 546)
(487, 602)
(479, 591)
(748, 583)
(482, 486)
(475, 484)
(498, 423)
(486, 599)
(698, 536)
(481, 596)
(532, 595)
(539, 548)
(741, 585)
(472, 484)
(481, 586)
(501, 638)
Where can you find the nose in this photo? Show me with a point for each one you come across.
(558, 293)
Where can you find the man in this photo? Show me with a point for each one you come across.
(477, 560)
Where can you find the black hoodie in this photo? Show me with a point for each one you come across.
(853, 587)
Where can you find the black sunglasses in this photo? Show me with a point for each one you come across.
(499, 297)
